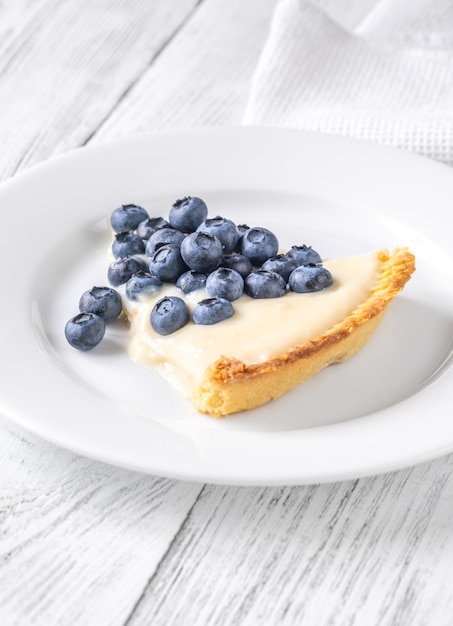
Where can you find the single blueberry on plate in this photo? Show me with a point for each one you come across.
(224, 229)
(85, 331)
(280, 263)
(121, 270)
(238, 262)
(258, 244)
(191, 281)
(309, 278)
(127, 217)
(202, 252)
(103, 301)
(149, 226)
(225, 283)
(304, 255)
(167, 263)
(264, 284)
(163, 237)
(127, 244)
(142, 284)
(187, 214)
(169, 314)
(212, 310)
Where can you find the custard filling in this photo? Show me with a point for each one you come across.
(259, 329)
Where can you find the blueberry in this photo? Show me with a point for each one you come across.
(238, 262)
(127, 244)
(264, 284)
(212, 311)
(167, 263)
(169, 314)
(308, 278)
(127, 217)
(103, 301)
(258, 244)
(85, 331)
(280, 263)
(163, 237)
(202, 252)
(187, 214)
(225, 283)
(142, 284)
(224, 229)
(304, 255)
(242, 228)
(191, 281)
(149, 226)
(121, 270)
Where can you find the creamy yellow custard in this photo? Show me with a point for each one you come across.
(259, 329)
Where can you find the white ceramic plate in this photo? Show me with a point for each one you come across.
(388, 407)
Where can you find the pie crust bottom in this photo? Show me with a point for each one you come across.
(230, 385)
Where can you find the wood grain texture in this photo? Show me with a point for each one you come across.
(79, 539)
(202, 77)
(373, 551)
(65, 65)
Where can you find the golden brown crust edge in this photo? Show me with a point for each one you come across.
(231, 386)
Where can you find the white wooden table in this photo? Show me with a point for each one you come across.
(83, 543)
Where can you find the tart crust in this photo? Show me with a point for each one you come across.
(230, 385)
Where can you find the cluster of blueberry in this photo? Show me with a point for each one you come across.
(192, 251)
(98, 306)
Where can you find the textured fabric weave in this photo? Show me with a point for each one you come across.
(386, 76)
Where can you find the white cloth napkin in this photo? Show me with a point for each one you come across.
(379, 70)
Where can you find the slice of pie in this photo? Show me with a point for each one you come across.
(270, 346)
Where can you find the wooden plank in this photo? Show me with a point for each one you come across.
(202, 77)
(79, 539)
(373, 551)
(65, 66)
